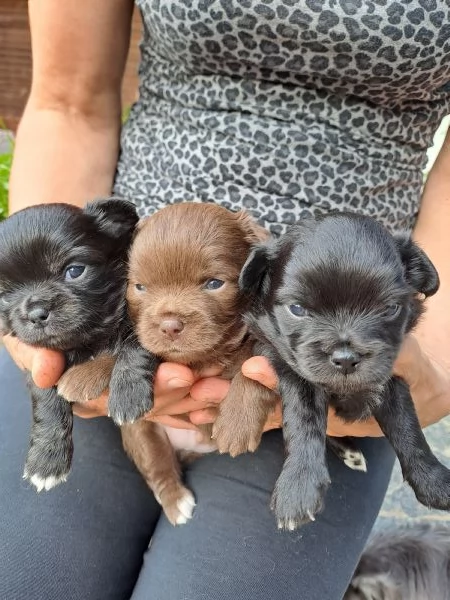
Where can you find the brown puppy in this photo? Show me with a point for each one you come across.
(185, 303)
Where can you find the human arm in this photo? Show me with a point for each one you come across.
(68, 139)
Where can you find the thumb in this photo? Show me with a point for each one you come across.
(259, 369)
(409, 362)
(47, 367)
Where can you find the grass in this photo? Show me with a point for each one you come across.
(5, 168)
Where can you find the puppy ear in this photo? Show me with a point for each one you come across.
(254, 274)
(115, 217)
(419, 270)
(253, 233)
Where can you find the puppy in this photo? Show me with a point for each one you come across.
(185, 303)
(410, 563)
(332, 302)
(62, 286)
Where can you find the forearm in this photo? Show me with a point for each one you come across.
(63, 156)
(68, 140)
(432, 232)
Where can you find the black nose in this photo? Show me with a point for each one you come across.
(345, 359)
(38, 315)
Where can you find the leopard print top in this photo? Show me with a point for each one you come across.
(285, 107)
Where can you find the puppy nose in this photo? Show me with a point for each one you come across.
(345, 359)
(38, 315)
(171, 327)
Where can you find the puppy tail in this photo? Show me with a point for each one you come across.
(410, 562)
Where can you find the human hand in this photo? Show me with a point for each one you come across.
(172, 401)
(428, 381)
(46, 366)
(172, 384)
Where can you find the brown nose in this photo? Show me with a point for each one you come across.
(171, 327)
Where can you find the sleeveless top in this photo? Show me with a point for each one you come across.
(284, 107)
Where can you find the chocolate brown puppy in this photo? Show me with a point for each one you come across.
(186, 306)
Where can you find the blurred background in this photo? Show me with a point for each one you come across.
(15, 78)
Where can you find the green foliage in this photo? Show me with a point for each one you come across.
(126, 113)
(5, 168)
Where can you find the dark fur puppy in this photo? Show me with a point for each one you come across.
(408, 563)
(333, 300)
(186, 306)
(62, 286)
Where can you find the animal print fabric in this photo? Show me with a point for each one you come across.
(287, 107)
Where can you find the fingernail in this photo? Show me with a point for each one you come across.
(253, 373)
(176, 382)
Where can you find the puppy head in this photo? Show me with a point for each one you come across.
(62, 271)
(183, 291)
(335, 297)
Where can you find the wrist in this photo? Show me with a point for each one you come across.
(74, 162)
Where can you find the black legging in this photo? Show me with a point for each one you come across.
(88, 539)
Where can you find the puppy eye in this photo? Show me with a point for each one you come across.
(140, 287)
(392, 310)
(213, 284)
(74, 272)
(297, 310)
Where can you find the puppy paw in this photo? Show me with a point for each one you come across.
(242, 415)
(86, 381)
(297, 499)
(354, 459)
(178, 505)
(48, 465)
(234, 439)
(431, 486)
(346, 451)
(129, 399)
(44, 483)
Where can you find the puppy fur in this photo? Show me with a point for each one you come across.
(186, 306)
(410, 563)
(332, 302)
(62, 286)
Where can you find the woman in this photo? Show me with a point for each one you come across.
(279, 107)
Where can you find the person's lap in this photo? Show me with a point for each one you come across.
(86, 539)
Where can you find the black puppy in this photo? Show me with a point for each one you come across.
(62, 286)
(405, 563)
(333, 300)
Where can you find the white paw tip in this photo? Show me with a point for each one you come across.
(355, 461)
(288, 524)
(186, 506)
(311, 516)
(181, 520)
(46, 483)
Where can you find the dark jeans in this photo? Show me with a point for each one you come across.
(89, 539)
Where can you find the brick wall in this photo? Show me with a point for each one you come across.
(15, 60)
